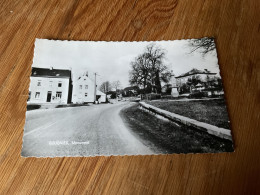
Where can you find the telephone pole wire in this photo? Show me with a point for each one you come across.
(95, 87)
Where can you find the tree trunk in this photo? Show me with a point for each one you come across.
(158, 83)
(144, 86)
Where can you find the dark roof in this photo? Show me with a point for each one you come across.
(195, 71)
(46, 72)
(131, 88)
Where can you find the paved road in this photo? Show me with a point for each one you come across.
(80, 131)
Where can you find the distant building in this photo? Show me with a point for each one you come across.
(131, 91)
(84, 89)
(101, 97)
(202, 74)
(50, 86)
(199, 81)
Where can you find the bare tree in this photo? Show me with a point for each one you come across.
(204, 45)
(105, 87)
(116, 85)
(148, 69)
(139, 75)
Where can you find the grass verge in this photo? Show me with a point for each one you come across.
(168, 137)
(213, 112)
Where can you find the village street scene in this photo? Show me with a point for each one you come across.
(150, 106)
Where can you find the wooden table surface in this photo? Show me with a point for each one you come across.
(235, 24)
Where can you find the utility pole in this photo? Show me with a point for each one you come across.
(95, 89)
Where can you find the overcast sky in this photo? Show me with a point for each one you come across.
(111, 60)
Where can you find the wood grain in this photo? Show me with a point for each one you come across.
(235, 24)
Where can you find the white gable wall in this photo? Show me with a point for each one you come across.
(38, 94)
(83, 90)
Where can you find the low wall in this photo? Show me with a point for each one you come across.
(211, 129)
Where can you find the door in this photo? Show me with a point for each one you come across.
(49, 96)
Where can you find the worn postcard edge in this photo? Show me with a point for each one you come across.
(126, 155)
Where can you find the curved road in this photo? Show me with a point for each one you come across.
(80, 131)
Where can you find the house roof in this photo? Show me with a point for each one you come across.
(45, 72)
(84, 77)
(198, 85)
(195, 71)
(100, 93)
(131, 88)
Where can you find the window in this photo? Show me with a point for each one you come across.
(58, 94)
(86, 94)
(29, 96)
(60, 84)
(37, 95)
(86, 86)
(39, 83)
(80, 87)
(50, 83)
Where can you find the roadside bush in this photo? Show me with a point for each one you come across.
(113, 96)
(152, 96)
(169, 97)
(33, 106)
(184, 89)
(199, 94)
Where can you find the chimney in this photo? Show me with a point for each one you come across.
(206, 70)
(51, 68)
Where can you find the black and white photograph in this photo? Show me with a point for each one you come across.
(97, 98)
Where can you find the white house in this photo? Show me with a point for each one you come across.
(101, 97)
(50, 86)
(202, 74)
(84, 90)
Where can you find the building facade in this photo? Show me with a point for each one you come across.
(84, 90)
(203, 75)
(50, 86)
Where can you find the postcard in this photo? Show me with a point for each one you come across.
(97, 98)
